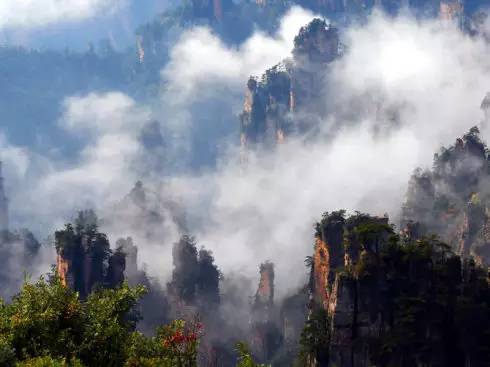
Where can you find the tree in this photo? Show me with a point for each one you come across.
(245, 358)
(47, 325)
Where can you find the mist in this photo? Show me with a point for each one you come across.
(402, 89)
(74, 24)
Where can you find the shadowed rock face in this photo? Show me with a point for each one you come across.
(284, 100)
(341, 244)
(265, 334)
(453, 199)
(194, 288)
(265, 292)
(316, 44)
(392, 301)
(84, 258)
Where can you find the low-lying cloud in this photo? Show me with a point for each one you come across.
(403, 88)
(200, 60)
(37, 13)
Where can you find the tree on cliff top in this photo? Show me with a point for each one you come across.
(86, 250)
(195, 278)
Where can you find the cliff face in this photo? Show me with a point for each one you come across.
(84, 259)
(265, 333)
(320, 273)
(338, 245)
(392, 301)
(453, 199)
(341, 245)
(264, 298)
(281, 102)
(194, 288)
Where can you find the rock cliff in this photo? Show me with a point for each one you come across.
(284, 100)
(84, 259)
(453, 199)
(390, 302)
(265, 337)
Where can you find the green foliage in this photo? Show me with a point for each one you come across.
(431, 296)
(175, 345)
(432, 307)
(49, 362)
(372, 231)
(81, 241)
(44, 318)
(330, 220)
(314, 27)
(245, 358)
(46, 324)
(315, 338)
(186, 268)
(107, 325)
(195, 278)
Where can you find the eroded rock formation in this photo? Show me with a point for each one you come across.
(453, 199)
(282, 102)
(194, 288)
(264, 298)
(84, 258)
(265, 334)
(393, 301)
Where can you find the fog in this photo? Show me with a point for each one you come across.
(402, 89)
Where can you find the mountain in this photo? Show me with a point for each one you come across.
(379, 299)
(374, 293)
(452, 198)
(286, 99)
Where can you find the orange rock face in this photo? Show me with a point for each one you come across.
(63, 267)
(265, 291)
(321, 270)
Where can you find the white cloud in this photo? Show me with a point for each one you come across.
(267, 210)
(430, 75)
(204, 80)
(201, 60)
(36, 13)
(106, 167)
(15, 159)
(102, 113)
(419, 84)
(434, 75)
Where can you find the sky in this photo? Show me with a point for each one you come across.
(74, 24)
(427, 73)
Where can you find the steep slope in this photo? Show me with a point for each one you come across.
(84, 256)
(453, 198)
(392, 303)
(286, 100)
